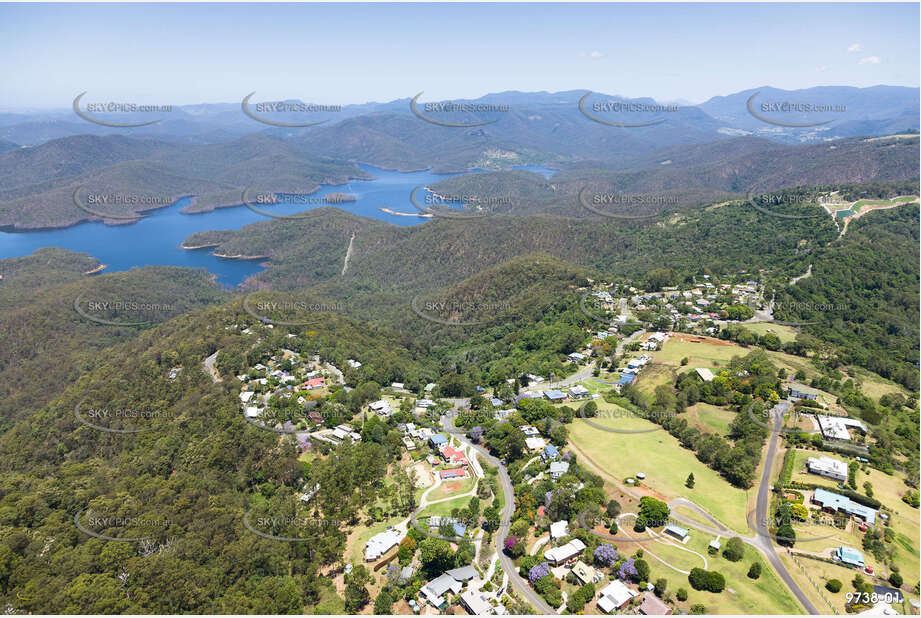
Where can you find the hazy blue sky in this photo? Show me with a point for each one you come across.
(353, 53)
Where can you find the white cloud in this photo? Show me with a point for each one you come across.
(855, 47)
(870, 60)
(821, 68)
(593, 54)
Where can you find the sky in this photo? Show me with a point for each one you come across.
(354, 53)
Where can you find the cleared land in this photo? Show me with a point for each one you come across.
(665, 462)
(784, 333)
(710, 418)
(765, 595)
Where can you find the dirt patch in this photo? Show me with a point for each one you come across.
(423, 476)
(700, 339)
(452, 486)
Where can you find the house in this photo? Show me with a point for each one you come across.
(463, 574)
(534, 444)
(452, 455)
(584, 573)
(529, 431)
(453, 473)
(578, 392)
(678, 532)
(833, 503)
(559, 529)
(315, 383)
(437, 440)
(801, 391)
(527, 395)
(435, 590)
(625, 378)
(563, 553)
(714, 545)
(836, 427)
(827, 466)
(381, 543)
(408, 443)
(397, 385)
(381, 407)
(476, 603)
(653, 606)
(245, 396)
(430, 387)
(354, 364)
(614, 596)
(252, 412)
(550, 453)
(558, 469)
(406, 574)
(555, 395)
(705, 374)
(425, 404)
(849, 556)
(495, 402)
(576, 357)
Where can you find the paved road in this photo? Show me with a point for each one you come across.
(505, 522)
(763, 541)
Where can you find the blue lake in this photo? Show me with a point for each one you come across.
(156, 239)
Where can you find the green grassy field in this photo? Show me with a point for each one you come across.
(710, 418)
(654, 375)
(765, 595)
(873, 385)
(665, 462)
(443, 491)
(784, 333)
(444, 508)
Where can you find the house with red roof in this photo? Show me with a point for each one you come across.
(315, 383)
(453, 456)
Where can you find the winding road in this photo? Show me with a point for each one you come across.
(505, 522)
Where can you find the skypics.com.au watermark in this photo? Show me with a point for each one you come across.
(92, 416)
(257, 111)
(121, 311)
(119, 205)
(291, 529)
(656, 417)
(621, 206)
(111, 109)
(458, 312)
(288, 311)
(615, 113)
(119, 527)
(789, 108)
(434, 113)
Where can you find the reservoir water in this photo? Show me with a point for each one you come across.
(156, 239)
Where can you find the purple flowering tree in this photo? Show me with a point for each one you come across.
(627, 570)
(510, 541)
(538, 571)
(605, 554)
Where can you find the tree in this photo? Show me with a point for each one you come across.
(383, 604)
(754, 571)
(735, 549)
(653, 512)
(436, 556)
(642, 570)
(786, 535)
(697, 609)
(833, 585)
(682, 594)
(690, 482)
(605, 554)
(799, 511)
(661, 586)
(613, 508)
(356, 594)
(896, 579)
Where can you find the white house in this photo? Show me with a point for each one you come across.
(559, 529)
(827, 466)
(559, 555)
(558, 469)
(614, 596)
(381, 543)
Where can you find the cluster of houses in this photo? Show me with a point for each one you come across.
(455, 461)
(628, 375)
(272, 381)
(475, 601)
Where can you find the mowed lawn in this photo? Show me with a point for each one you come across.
(784, 333)
(744, 596)
(710, 418)
(665, 462)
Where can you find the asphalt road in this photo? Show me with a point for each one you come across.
(505, 522)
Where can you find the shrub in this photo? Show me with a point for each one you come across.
(735, 549)
(698, 609)
(661, 586)
(682, 594)
(833, 585)
(642, 570)
(896, 579)
(755, 571)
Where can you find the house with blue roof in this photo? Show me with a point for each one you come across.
(625, 378)
(677, 531)
(437, 440)
(832, 502)
(555, 395)
(549, 453)
(849, 556)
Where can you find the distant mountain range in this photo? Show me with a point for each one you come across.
(867, 111)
